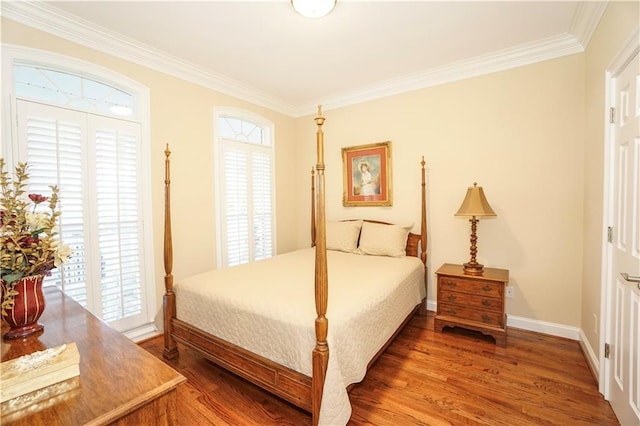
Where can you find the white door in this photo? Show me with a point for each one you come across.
(623, 334)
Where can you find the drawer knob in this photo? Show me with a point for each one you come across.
(451, 311)
(487, 287)
(451, 297)
(486, 318)
(450, 283)
(486, 302)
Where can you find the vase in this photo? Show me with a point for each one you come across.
(28, 306)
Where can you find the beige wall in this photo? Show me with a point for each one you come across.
(519, 134)
(182, 115)
(614, 30)
(531, 136)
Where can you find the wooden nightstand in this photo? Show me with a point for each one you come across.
(475, 302)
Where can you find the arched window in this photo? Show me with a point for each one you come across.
(245, 187)
(83, 128)
(42, 84)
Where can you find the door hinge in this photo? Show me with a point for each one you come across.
(612, 115)
(607, 350)
(610, 234)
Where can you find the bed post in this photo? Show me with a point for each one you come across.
(320, 354)
(423, 235)
(169, 299)
(313, 207)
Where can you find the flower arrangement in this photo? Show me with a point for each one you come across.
(28, 236)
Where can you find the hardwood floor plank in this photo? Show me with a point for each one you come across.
(456, 378)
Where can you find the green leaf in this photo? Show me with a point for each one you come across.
(9, 278)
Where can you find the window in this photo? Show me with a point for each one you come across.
(245, 190)
(86, 135)
(64, 89)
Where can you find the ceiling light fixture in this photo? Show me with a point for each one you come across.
(313, 8)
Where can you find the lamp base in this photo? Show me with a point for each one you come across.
(473, 268)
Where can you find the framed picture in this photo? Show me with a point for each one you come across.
(367, 175)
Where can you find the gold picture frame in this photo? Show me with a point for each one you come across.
(366, 171)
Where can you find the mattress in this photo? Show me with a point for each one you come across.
(268, 308)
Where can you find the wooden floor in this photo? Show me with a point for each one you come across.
(423, 378)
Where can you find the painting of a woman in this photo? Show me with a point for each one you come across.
(368, 185)
(367, 175)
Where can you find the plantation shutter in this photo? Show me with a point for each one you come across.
(54, 139)
(95, 161)
(262, 213)
(245, 191)
(236, 206)
(118, 209)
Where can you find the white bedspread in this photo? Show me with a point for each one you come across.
(369, 297)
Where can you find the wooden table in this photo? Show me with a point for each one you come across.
(119, 382)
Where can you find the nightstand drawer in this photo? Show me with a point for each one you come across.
(483, 288)
(470, 300)
(485, 317)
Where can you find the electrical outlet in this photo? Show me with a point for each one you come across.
(509, 292)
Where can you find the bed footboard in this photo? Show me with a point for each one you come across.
(275, 378)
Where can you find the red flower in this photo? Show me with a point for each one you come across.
(27, 241)
(37, 198)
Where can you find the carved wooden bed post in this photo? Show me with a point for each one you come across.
(423, 233)
(169, 299)
(313, 207)
(320, 354)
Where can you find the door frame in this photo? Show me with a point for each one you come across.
(621, 60)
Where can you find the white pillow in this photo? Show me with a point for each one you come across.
(383, 240)
(343, 236)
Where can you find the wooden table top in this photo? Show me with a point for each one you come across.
(490, 274)
(116, 376)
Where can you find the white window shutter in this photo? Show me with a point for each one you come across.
(118, 221)
(262, 212)
(236, 207)
(245, 192)
(95, 161)
(54, 140)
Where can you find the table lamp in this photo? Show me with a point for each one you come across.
(475, 204)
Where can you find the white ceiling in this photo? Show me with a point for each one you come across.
(264, 52)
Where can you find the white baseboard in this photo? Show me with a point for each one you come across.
(431, 305)
(143, 332)
(544, 327)
(593, 359)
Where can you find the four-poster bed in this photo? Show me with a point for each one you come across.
(255, 320)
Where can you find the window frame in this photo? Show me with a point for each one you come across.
(267, 126)
(11, 150)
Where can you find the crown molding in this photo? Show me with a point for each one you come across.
(586, 20)
(41, 16)
(550, 48)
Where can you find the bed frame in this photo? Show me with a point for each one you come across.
(299, 389)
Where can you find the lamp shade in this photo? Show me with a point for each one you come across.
(313, 8)
(475, 203)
